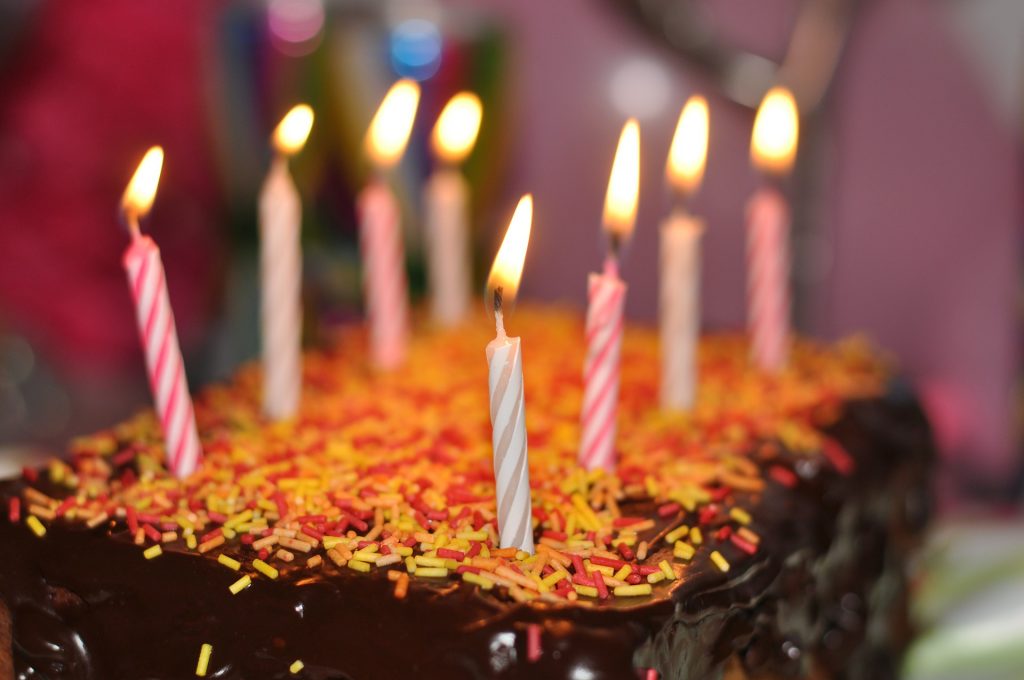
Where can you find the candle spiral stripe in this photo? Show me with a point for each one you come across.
(163, 356)
(384, 279)
(767, 284)
(511, 462)
(604, 328)
(281, 312)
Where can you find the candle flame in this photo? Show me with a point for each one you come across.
(391, 125)
(457, 127)
(776, 129)
(507, 269)
(624, 183)
(689, 151)
(138, 196)
(293, 130)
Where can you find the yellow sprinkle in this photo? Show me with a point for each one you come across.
(695, 536)
(677, 533)
(553, 579)
(35, 525)
(719, 561)
(423, 561)
(656, 577)
(356, 565)
(191, 541)
(410, 565)
(265, 569)
(666, 569)
(332, 541)
(152, 551)
(623, 572)
(683, 551)
(476, 579)
(204, 660)
(365, 555)
(432, 572)
(240, 585)
(402, 550)
(472, 535)
(234, 565)
(740, 515)
(296, 667)
(633, 591)
(585, 591)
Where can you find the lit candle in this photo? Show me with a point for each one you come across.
(148, 286)
(281, 267)
(606, 300)
(446, 207)
(505, 382)
(772, 150)
(380, 233)
(679, 302)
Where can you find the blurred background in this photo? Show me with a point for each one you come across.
(908, 192)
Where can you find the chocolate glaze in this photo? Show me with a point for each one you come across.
(823, 596)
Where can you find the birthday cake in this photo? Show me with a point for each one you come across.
(764, 533)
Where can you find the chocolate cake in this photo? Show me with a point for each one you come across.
(764, 534)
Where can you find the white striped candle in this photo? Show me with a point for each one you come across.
(505, 388)
(280, 211)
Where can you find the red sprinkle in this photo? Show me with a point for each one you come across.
(14, 510)
(556, 535)
(211, 535)
(30, 474)
(707, 514)
(533, 648)
(840, 459)
(474, 549)
(132, 518)
(743, 544)
(65, 506)
(626, 552)
(724, 533)
(645, 569)
(606, 562)
(456, 555)
(264, 553)
(583, 580)
(602, 589)
(151, 532)
(783, 476)
(626, 521)
(634, 579)
(668, 509)
(652, 674)
(247, 539)
(577, 564)
(463, 568)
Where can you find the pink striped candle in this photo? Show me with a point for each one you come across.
(380, 234)
(384, 280)
(148, 286)
(607, 296)
(604, 327)
(768, 279)
(772, 150)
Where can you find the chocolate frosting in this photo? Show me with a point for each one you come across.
(823, 595)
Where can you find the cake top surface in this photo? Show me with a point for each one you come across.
(393, 471)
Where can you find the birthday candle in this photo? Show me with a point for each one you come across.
(607, 297)
(148, 286)
(380, 236)
(505, 383)
(679, 301)
(446, 207)
(281, 267)
(772, 149)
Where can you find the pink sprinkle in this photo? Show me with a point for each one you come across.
(651, 674)
(743, 544)
(645, 569)
(533, 637)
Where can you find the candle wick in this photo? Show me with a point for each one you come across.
(133, 225)
(499, 315)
